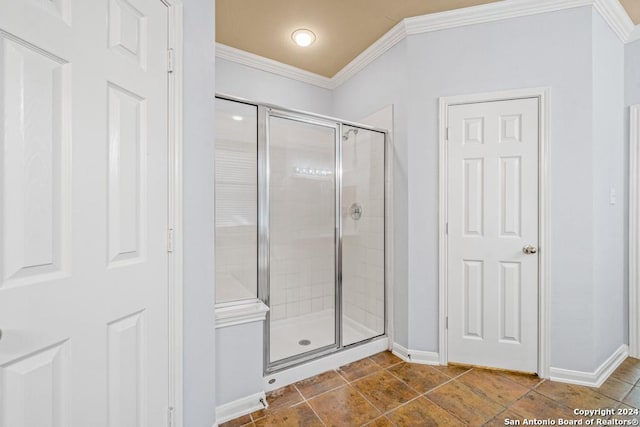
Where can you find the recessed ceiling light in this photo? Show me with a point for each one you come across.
(303, 37)
(237, 118)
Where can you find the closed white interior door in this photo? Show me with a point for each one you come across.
(492, 260)
(83, 213)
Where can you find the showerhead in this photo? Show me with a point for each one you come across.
(346, 134)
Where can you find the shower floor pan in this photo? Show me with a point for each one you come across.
(289, 336)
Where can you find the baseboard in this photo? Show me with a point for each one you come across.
(591, 379)
(416, 356)
(240, 407)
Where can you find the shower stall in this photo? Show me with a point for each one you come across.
(300, 224)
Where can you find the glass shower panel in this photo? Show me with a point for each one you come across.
(236, 187)
(363, 234)
(302, 227)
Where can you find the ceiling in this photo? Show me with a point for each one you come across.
(344, 28)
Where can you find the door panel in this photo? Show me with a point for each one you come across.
(492, 160)
(83, 213)
(35, 388)
(510, 302)
(33, 164)
(473, 310)
(473, 197)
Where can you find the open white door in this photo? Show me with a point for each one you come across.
(492, 208)
(83, 213)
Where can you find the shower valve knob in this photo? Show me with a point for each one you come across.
(355, 211)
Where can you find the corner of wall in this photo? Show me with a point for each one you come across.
(593, 378)
(198, 295)
(609, 191)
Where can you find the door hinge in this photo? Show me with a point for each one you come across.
(446, 228)
(170, 416)
(170, 240)
(446, 322)
(446, 134)
(170, 61)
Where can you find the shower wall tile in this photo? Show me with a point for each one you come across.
(278, 311)
(277, 297)
(317, 304)
(293, 294)
(317, 291)
(302, 229)
(293, 309)
(235, 256)
(305, 306)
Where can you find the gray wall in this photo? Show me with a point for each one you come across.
(610, 171)
(239, 362)
(259, 86)
(632, 97)
(198, 167)
(632, 73)
(479, 58)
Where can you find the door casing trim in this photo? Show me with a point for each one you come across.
(634, 230)
(542, 94)
(175, 213)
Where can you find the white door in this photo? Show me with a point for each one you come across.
(492, 180)
(83, 213)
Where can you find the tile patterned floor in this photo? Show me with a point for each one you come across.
(382, 390)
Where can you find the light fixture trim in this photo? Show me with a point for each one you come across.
(303, 37)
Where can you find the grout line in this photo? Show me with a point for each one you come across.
(413, 388)
(341, 376)
(516, 382)
(365, 376)
(445, 409)
(477, 391)
(304, 400)
(369, 402)
(437, 387)
(326, 391)
(315, 413)
(421, 394)
(484, 395)
(351, 384)
(535, 387)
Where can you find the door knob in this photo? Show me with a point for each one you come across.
(530, 250)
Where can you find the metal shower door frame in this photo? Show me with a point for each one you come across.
(265, 112)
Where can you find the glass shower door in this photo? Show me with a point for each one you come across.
(302, 237)
(363, 234)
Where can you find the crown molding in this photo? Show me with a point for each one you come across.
(611, 11)
(616, 17)
(269, 65)
(489, 12)
(370, 54)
